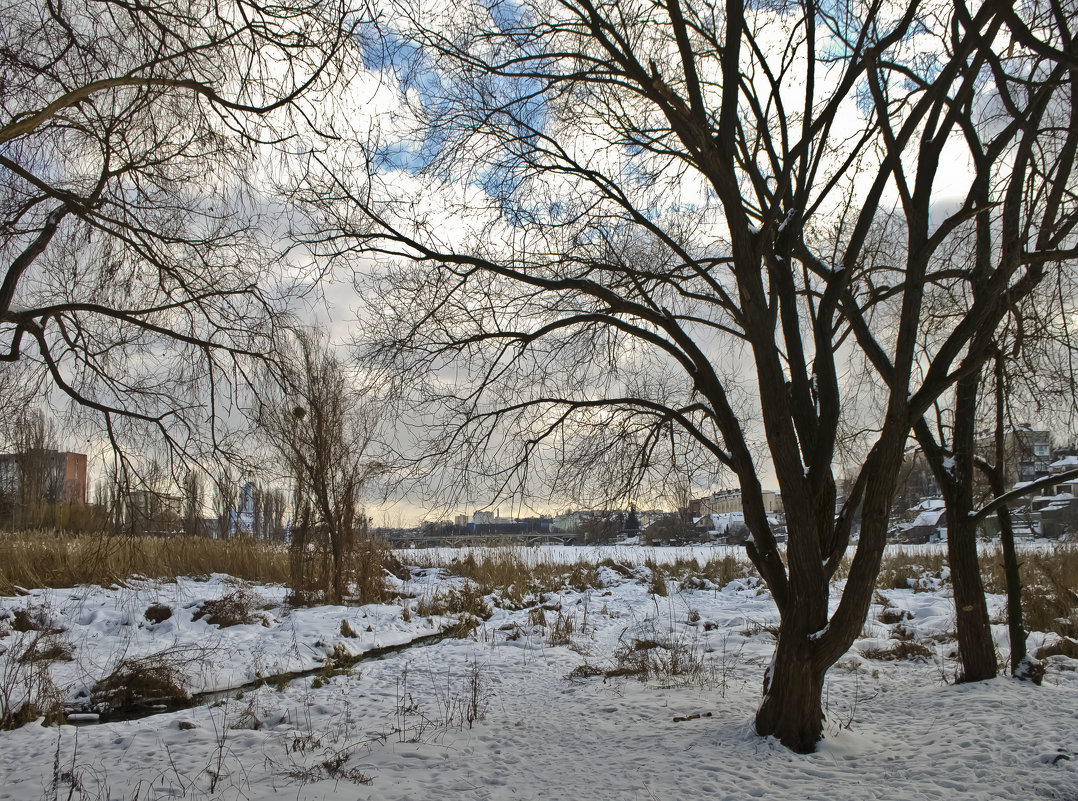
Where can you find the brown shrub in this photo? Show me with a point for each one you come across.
(891, 615)
(467, 600)
(365, 564)
(47, 647)
(138, 683)
(32, 618)
(235, 608)
(158, 613)
(898, 649)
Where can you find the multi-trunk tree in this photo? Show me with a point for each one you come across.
(1022, 139)
(612, 236)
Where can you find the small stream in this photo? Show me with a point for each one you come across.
(86, 716)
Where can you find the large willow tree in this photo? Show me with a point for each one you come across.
(612, 236)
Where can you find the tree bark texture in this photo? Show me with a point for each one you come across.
(974, 631)
(791, 709)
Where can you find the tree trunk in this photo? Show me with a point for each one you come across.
(793, 686)
(338, 581)
(1021, 666)
(975, 643)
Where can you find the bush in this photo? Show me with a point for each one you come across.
(27, 691)
(654, 652)
(898, 649)
(138, 683)
(364, 565)
(157, 613)
(235, 608)
(467, 600)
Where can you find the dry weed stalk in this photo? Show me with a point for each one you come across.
(40, 559)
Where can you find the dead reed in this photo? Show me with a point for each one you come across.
(1049, 584)
(42, 559)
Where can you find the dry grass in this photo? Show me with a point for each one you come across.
(689, 572)
(562, 629)
(467, 600)
(904, 569)
(1049, 584)
(899, 649)
(63, 560)
(521, 575)
(1049, 581)
(27, 690)
(516, 574)
(657, 583)
(663, 656)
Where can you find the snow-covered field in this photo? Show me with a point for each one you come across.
(531, 706)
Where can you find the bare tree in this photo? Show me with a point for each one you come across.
(149, 496)
(601, 528)
(1032, 375)
(194, 497)
(635, 230)
(31, 480)
(270, 506)
(1031, 230)
(225, 501)
(320, 424)
(137, 268)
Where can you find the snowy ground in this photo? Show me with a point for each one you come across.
(511, 713)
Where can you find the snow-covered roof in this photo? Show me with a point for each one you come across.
(929, 517)
(930, 503)
(1061, 496)
(1055, 506)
